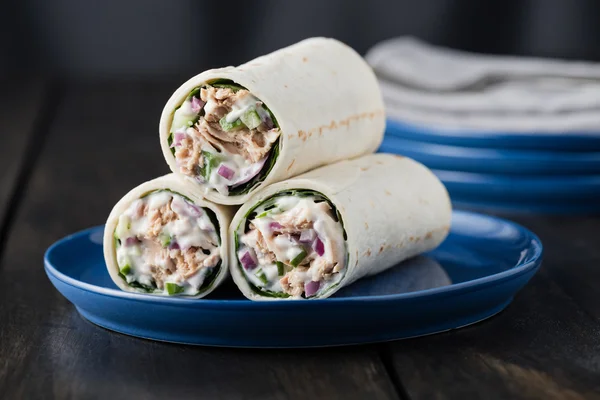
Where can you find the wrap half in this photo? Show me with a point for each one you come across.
(236, 129)
(309, 236)
(163, 238)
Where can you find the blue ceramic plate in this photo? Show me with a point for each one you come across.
(473, 275)
(492, 139)
(545, 189)
(527, 207)
(502, 161)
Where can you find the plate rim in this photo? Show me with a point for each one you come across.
(451, 289)
(478, 138)
(491, 153)
(85, 315)
(505, 179)
(527, 208)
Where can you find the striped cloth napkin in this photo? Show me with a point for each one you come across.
(426, 84)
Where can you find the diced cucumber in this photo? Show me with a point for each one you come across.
(269, 212)
(211, 161)
(173, 288)
(122, 226)
(230, 126)
(251, 119)
(181, 120)
(298, 259)
(126, 270)
(184, 116)
(261, 275)
(165, 239)
(263, 214)
(123, 260)
(136, 250)
(280, 269)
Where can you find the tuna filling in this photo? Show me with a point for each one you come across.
(167, 244)
(224, 137)
(292, 245)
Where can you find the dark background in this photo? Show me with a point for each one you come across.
(147, 38)
(72, 146)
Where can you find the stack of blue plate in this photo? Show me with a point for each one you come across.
(529, 172)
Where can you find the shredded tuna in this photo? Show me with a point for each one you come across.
(168, 261)
(252, 144)
(189, 154)
(322, 269)
(297, 219)
(221, 101)
(160, 274)
(293, 283)
(187, 262)
(160, 217)
(256, 240)
(190, 260)
(261, 245)
(292, 222)
(303, 235)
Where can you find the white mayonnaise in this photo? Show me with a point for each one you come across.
(288, 214)
(236, 170)
(152, 260)
(241, 106)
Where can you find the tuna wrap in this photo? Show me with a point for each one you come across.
(309, 236)
(236, 129)
(163, 238)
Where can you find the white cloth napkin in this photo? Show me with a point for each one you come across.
(425, 84)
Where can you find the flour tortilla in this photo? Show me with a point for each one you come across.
(185, 188)
(392, 208)
(324, 96)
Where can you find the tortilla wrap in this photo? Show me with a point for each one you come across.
(391, 208)
(189, 198)
(322, 95)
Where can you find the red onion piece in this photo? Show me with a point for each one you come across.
(248, 260)
(275, 225)
(269, 123)
(197, 104)
(195, 211)
(311, 288)
(225, 172)
(174, 246)
(307, 236)
(177, 138)
(132, 241)
(185, 208)
(318, 247)
(249, 172)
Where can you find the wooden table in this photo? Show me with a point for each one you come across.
(71, 151)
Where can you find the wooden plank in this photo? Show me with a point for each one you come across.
(572, 255)
(21, 103)
(103, 142)
(542, 347)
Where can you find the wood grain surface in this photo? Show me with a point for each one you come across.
(541, 347)
(79, 148)
(103, 141)
(23, 108)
